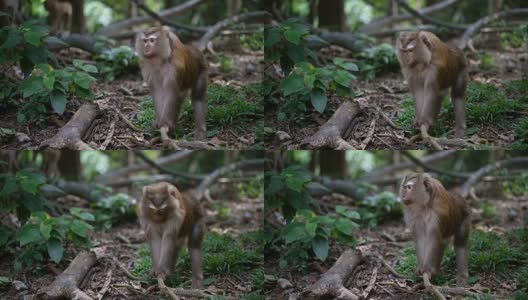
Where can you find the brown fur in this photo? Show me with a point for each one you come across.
(170, 219)
(434, 215)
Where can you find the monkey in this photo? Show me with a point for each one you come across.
(434, 215)
(430, 68)
(60, 16)
(170, 68)
(170, 219)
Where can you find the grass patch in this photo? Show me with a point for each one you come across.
(488, 253)
(487, 62)
(223, 255)
(241, 109)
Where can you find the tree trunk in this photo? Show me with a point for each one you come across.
(332, 163)
(70, 164)
(78, 21)
(332, 15)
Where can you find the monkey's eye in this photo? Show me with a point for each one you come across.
(152, 39)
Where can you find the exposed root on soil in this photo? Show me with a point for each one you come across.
(330, 135)
(332, 282)
(181, 145)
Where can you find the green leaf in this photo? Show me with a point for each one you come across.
(293, 36)
(320, 248)
(82, 79)
(48, 82)
(343, 77)
(293, 83)
(28, 233)
(294, 232)
(30, 180)
(80, 228)
(275, 185)
(311, 227)
(295, 178)
(345, 226)
(4, 280)
(319, 100)
(45, 229)
(33, 37)
(31, 86)
(10, 186)
(32, 202)
(58, 102)
(87, 216)
(309, 81)
(55, 250)
(14, 37)
(272, 36)
(347, 212)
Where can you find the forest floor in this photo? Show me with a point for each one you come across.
(233, 257)
(234, 98)
(492, 266)
(490, 120)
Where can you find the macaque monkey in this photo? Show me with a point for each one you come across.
(430, 68)
(60, 15)
(170, 219)
(434, 215)
(171, 68)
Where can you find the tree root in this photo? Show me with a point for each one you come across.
(180, 145)
(330, 134)
(70, 135)
(66, 284)
(433, 288)
(332, 282)
(438, 143)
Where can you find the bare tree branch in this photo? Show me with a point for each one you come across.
(158, 166)
(428, 19)
(472, 29)
(373, 27)
(517, 162)
(433, 168)
(165, 21)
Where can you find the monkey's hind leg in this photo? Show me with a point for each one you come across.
(199, 104)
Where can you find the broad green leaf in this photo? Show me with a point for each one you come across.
(275, 185)
(293, 36)
(28, 233)
(319, 100)
(294, 232)
(320, 248)
(311, 227)
(10, 186)
(272, 36)
(31, 86)
(4, 280)
(343, 78)
(309, 81)
(32, 202)
(30, 180)
(82, 79)
(33, 37)
(58, 102)
(55, 250)
(87, 216)
(48, 82)
(345, 226)
(295, 178)
(13, 38)
(80, 228)
(45, 229)
(347, 212)
(293, 83)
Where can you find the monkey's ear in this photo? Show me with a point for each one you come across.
(425, 39)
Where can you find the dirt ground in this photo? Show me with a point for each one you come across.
(124, 95)
(388, 239)
(123, 241)
(380, 100)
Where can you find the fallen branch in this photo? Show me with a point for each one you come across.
(69, 136)
(330, 134)
(428, 19)
(180, 145)
(372, 27)
(472, 29)
(210, 179)
(331, 284)
(66, 284)
(77, 40)
(429, 285)
(114, 28)
(256, 16)
(517, 162)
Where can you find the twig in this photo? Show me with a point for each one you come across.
(372, 281)
(127, 122)
(106, 284)
(124, 270)
(388, 120)
(110, 135)
(391, 269)
(370, 133)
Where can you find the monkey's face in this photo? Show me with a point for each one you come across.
(412, 49)
(160, 196)
(148, 44)
(413, 190)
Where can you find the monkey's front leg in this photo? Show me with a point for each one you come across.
(195, 250)
(459, 104)
(155, 250)
(170, 248)
(199, 103)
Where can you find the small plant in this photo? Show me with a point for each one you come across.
(227, 65)
(253, 41)
(517, 38)
(116, 61)
(147, 115)
(487, 104)
(309, 83)
(487, 62)
(376, 60)
(113, 209)
(489, 211)
(521, 130)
